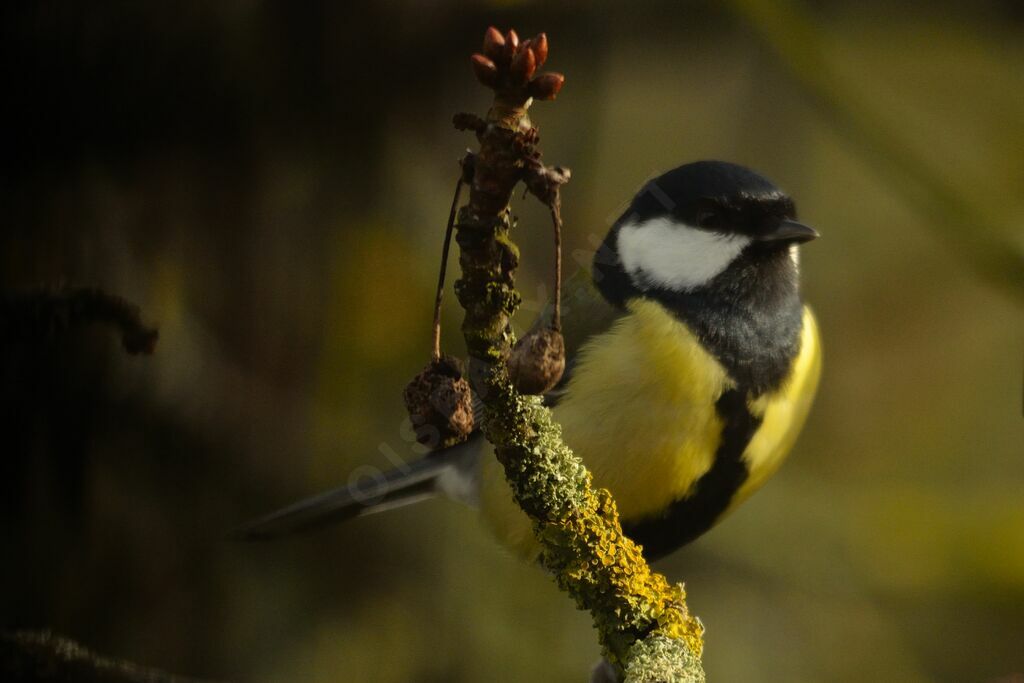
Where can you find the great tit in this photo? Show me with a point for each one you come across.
(686, 403)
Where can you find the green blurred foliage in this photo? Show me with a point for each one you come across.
(270, 182)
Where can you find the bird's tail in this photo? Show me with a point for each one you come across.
(452, 471)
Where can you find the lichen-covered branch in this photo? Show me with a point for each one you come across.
(643, 623)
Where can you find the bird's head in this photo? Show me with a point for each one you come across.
(704, 225)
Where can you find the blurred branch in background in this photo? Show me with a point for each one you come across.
(31, 318)
(791, 31)
(37, 315)
(45, 656)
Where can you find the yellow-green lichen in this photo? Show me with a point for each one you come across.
(579, 530)
(661, 659)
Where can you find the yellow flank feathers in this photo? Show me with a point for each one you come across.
(640, 412)
(783, 413)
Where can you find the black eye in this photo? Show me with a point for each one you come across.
(709, 218)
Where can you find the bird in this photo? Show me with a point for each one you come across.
(685, 401)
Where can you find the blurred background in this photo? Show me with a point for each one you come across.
(270, 181)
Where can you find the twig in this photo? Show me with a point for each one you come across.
(556, 220)
(436, 353)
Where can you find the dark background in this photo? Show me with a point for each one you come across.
(269, 181)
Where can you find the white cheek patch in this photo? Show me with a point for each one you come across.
(666, 253)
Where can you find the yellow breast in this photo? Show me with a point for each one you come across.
(640, 412)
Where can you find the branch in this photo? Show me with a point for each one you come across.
(42, 656)
(42, 314)
(643, 624)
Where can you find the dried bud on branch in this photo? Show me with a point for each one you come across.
(440, 404)
(537, 361)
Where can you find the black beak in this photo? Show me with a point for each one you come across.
(789, 231)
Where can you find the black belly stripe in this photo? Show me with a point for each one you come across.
(687, 518)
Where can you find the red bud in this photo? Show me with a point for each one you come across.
(440, 403)
(539, 45)
(523, 66)
(511, 43)
(485, 70)
(546, 86)
(494, 44)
